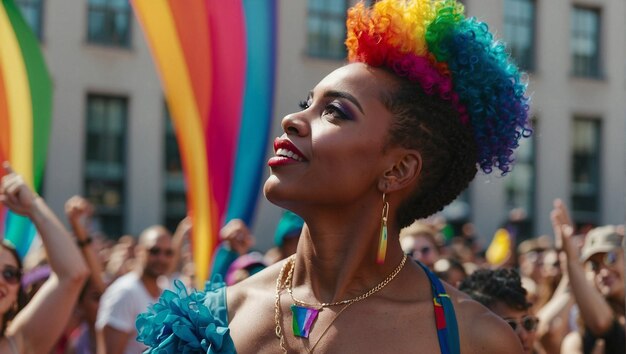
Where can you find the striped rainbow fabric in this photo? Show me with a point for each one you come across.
(25, 113)
(216, 60)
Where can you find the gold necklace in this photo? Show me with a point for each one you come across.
(363, 296)
(304, 314)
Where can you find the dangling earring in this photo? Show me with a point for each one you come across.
(382, 243)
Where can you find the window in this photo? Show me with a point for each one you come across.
(519, 31)
(109, 22)
(175, 200)
(32, 11)
(105, 160)
(326, 28)
(585, 186)
(520, 186)
(585, 42)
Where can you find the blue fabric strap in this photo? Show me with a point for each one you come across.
(447, 328)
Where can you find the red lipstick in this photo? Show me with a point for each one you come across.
(285, 153)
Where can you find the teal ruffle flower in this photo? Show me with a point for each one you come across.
(187, 323)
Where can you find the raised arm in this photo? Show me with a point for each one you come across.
(78, 210)
(594, 310)
(181, 234)
(32, 328)
(237, 240)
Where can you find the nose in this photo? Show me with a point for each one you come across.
(295, 124)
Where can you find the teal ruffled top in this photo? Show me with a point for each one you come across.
(183, 322)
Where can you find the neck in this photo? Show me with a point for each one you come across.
(150, 283)
(336, 258)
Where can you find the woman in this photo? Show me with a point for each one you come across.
(36, 328)
(419, 241)
(15, 297)
(597, 286)
(390, 138)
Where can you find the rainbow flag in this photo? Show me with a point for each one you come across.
(216, 63)
(25, 113)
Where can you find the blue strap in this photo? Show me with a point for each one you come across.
(448, 335)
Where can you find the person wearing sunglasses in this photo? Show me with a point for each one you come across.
(130, 294)
(501, 291)
(419, 241)
(31, 330)
(597, 284)
(15, 298)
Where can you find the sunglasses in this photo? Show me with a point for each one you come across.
(155, 251)
(11, 275)
(529, 323)
(424, 251)
(608, 260)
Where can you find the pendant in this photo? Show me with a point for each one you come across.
(303, 318)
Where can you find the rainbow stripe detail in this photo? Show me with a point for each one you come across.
(25, 113)
(382, 245)
(216, 63)
(303, 319)
(456, 58)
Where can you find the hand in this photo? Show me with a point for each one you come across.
(15, 194)
(184, 228)
(560, 218)
(564, 231)
(78, 209)
(237, 235)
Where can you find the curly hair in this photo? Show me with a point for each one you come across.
(460, 101)
(492, 286)
(448, 150)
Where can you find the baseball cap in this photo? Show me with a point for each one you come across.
(601, 239)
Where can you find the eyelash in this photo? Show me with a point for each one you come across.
(328, 109)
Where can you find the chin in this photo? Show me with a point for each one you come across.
(274, 193)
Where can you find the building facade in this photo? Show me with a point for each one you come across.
(112, 142)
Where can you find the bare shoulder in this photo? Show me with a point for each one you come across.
(263, 282)
(480, 330)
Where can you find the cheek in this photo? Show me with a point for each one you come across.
(13, 291)
(349, 155)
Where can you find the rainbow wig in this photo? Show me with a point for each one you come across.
(456, 58)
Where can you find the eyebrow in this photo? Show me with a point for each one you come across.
(340, 94)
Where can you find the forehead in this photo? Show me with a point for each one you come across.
(360, 80)
(505, 311)
(7, 258)
(597, 257)
(156, 237)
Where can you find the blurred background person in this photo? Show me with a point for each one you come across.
(30, 331)
(130, 294)
(419, 241)
(597, 284)
(501, 291)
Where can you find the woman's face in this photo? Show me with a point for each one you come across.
(333, 150)
(608, 273)
(522, 322)
(9, 285)
(421, 249)
(90, 303)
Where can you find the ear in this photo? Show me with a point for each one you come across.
(403, 173)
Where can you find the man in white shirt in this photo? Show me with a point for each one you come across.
(131, 294)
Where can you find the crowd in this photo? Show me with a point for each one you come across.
(561, 297)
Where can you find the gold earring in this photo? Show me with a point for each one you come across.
(382, 242)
